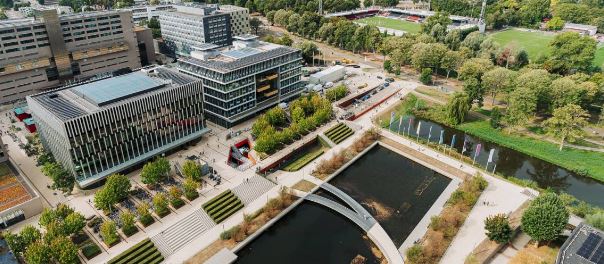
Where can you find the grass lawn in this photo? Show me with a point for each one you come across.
(392, 23)
(573, 159)
(599, 60)
(302, 161)
(536, 43)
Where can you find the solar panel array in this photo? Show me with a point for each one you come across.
(179, 79)
(590, 249)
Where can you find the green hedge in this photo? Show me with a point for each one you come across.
(143, 252)
(232, 199)
(224, 209)
(343, 136)
(333, 128)
(220, 201)
(301, 162)
(90, 250)
(205, 205)
(229, 213)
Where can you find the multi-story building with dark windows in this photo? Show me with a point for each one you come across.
(191, 26)
(49, 49)
(245, 79)
(106, 126)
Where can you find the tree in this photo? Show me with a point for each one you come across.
(475, 91)
(115, 189)
(556, 23)
(567, 123)
(571, 52)
(522, 104)
(474, 68)
(29, 235)
(473, 41)
(255, 24)
(564, 91)
(388, 66)
(191, 169)
(451, 61)
(498, 228)
(498, 80)
(128, 226)
(37, 253)
(428, 55)
(457, 108)
(108, 233)
(15, 242)
(545, 218)
(190, 189)
(175, 194)
(439, 19)
(74, 223)
(308, 50)
(426, 76)
(286, 40)
(144, 216)
(160, 204)
(537, 83)
(64, 251)
(495, 120)
(155, 171)
(61, 178)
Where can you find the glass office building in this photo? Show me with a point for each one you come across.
(105, 126)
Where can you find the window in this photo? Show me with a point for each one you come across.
(23, 29)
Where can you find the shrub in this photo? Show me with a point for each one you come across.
(545, 217)
(144, 216)
(128, 226)
(90, 250)
(109, 233)
(175, 194)
(415, 253)
(426, 76)
(229, 233)
(160, 204)
(498, 228)
(190, 189)
(596, 220)
(495, 120)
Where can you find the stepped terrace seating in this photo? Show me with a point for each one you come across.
(339, 133)
(222, 206)
(144, 252)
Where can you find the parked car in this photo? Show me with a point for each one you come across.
(386, 84)
(389, 80)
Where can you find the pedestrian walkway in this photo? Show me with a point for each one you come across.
(182, 232)
(252, 188)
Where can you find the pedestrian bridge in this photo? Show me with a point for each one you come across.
(360, 217)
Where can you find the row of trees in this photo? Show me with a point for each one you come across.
(156, 171)
(339, 32)
(54, 246)
(273, 130)
(299, 6)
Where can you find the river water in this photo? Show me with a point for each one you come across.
(509, 162)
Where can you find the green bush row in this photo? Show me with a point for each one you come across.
(339, 132)
(208, 203)
(125, 254)
(229, 213)
(332, 129)
(232, 199)
(343, 136)
(224, 210)
(296, 165)
(219, 202)
(90, 250)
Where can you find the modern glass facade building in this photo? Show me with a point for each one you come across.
(243, 80)
(102, 127)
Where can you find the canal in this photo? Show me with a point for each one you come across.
(506, 161)
(310, 233)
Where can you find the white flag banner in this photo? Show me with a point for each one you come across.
(419, 127)
(491, 155)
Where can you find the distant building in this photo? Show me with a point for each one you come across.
(26, 11)
(331, 74)
(146, 47)
(585, 245)
(147, 12)
(105, 126)
(191, 26)
(50, 49)
(588, 30)
(250, 77)
(240, 19)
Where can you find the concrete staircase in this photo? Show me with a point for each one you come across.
(253, 188)
(182, 232)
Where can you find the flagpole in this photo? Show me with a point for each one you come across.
(494, 168)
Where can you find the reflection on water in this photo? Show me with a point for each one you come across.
(310, 233)
(510, 162)
(395, 190)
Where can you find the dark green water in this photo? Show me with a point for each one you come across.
(395, 190)
(310, 233)
(510, 163)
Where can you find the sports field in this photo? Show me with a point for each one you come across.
(392, 23)
(535, 43)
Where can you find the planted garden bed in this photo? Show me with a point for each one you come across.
(143, 252)
(339, 133)
(300, 157)
(222, 206)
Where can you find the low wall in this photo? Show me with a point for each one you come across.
(277, 162)
(354, 117)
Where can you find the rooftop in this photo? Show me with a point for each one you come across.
(228, 60)
(584, 246)
(110, 90)
(80, 99)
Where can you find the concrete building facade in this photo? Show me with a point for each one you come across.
(240, 19)
(146, 46)
(240, 81)
(191, 26)
(101, 127)
(48, 50)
